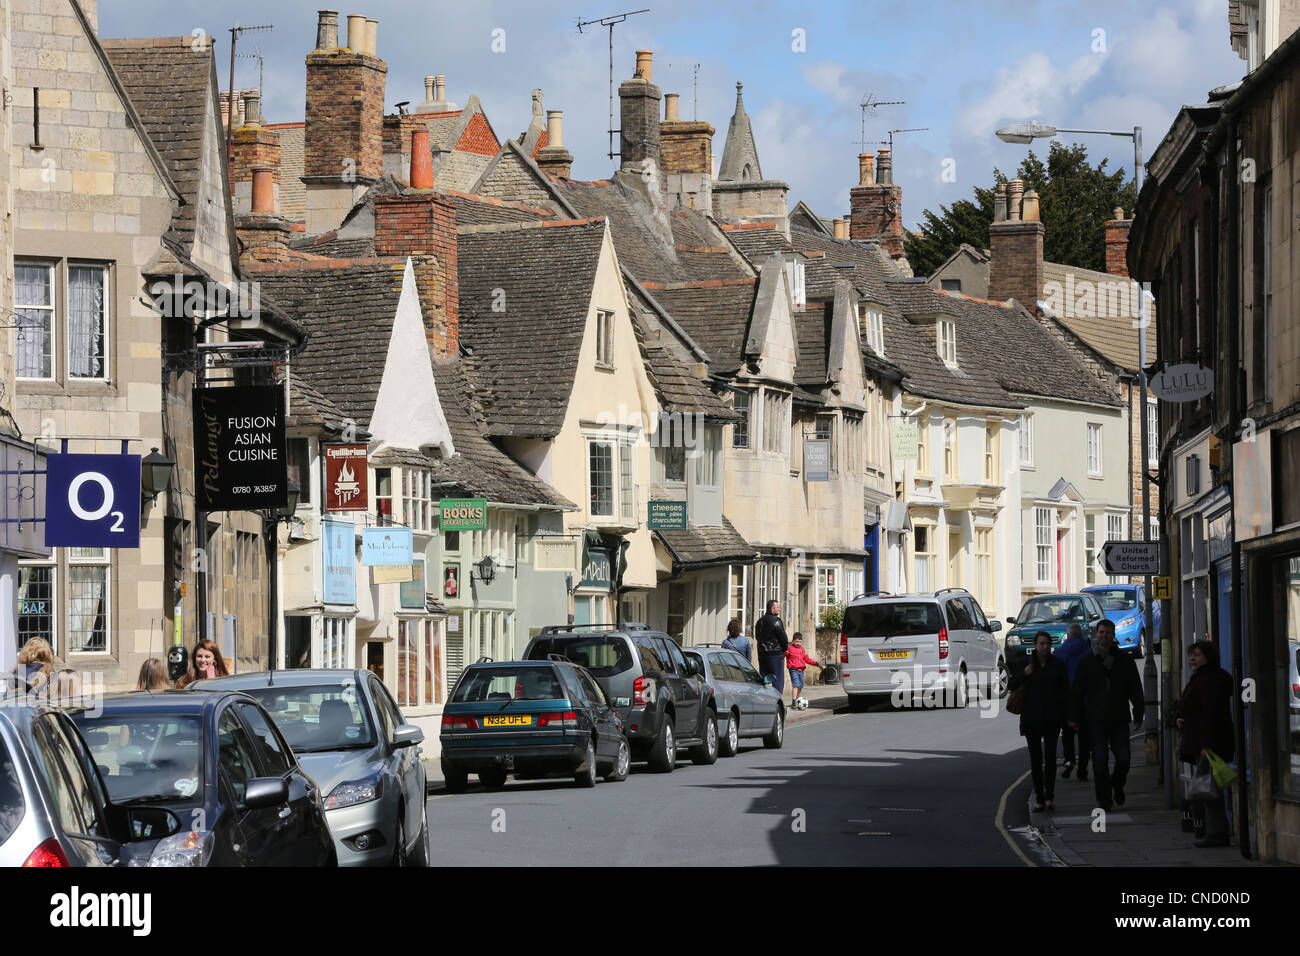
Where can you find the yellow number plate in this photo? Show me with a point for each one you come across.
(893, 655)
(514, 720)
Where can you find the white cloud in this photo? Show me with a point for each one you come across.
(1030, 89)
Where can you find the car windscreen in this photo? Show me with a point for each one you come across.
(1116, 599)
(12, 805)
(603, 655)
(505, 683)
(1052, 610)
(318, 717)
(892, 619)
(145, 758)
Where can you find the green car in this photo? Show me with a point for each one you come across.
(1053, 613)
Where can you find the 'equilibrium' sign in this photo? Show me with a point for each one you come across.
(239, 448)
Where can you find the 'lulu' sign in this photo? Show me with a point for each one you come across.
(1182, 383)
(345, 477)
(239, 448)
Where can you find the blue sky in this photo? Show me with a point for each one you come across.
(964, 68)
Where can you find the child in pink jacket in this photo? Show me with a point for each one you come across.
(797, 659)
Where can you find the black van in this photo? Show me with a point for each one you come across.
(660, 696)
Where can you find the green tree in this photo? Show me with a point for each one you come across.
(1075, 199)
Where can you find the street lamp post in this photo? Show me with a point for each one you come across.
(271, 524)
(1023, 134)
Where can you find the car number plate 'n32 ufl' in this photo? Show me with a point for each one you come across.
(513, 720)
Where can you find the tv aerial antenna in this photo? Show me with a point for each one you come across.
(695, 87)
(235, 31)
(610, 21)
(914, 129)
(868, 107)
(260, 66)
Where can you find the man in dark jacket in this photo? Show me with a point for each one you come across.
(1072, 650)
(769, 633)
(1106, 688)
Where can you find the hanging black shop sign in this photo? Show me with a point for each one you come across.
(240, 461)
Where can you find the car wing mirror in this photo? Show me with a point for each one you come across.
(407, 735)
(995, 626)
(266, 792)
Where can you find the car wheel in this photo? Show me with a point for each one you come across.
(421, 855)
(400, 857)
(1003, 679)
(492, 779)
(622, 761)
(663, 756)
(586, 777)
(776, 736)
(707, 752)
(454, 780)
(961, 691)
(730, 742)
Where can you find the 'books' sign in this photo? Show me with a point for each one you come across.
(239, 448)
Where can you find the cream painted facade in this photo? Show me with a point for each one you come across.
(1069, 508)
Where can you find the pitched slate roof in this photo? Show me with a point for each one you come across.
(1113, 334)
(309, 406)
(701, 547)
(526, 355)
(812, 329)
(348, 313)
(474, 210)
(715, 315)
(293, 191)
(170, 88)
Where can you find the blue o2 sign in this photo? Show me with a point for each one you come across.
(92, 501)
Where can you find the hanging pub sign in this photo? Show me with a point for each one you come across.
(1182, 383)
(411, 593)
(345, 478)
(92, 501)
(240, 461)
(386, 546)
(339, 569)
(905, 441)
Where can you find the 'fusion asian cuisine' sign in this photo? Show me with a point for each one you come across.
(239, 448)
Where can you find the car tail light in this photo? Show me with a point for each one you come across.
(643, 692)
(568, 718)
(943, 643)
(1295, 688)
(48, 853)
(844, 648)
(458, 722)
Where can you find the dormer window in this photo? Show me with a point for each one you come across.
(794, 277)
(948, 342)
(871, 324)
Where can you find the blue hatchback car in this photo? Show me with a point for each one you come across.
(1126, 605)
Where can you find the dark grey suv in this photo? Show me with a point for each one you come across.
(661, 697)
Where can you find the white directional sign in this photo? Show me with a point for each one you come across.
(1131, 557)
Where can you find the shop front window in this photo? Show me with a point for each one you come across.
(1289, 731)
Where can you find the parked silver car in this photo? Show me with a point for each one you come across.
(748, 706)
(350, 737)
(53, 804)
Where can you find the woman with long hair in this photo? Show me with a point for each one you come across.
(205, 662)
(153, 676)
(1042, 715)
(36, 663)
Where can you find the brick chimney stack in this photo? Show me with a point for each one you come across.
(686, 156)
(343, 139)
(553, 158)
(1117, 230)
(263, 233)
(252, 145)
(876, 204)
(639, 104)
(423, 226)
(1016, 246)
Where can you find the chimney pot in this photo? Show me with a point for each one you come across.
(841, 228)
(1029, 208)
(554, 129)
(644, 65)
(372, 36)
(1118, 213)
(252, 108)
(1015, 191)
(327, 30)
(884, 166)
(356, 33)
(1000, 202)
(440, 88)
(263, 191)
(428, 88)
(866, 169)
(421, 159)
(671, 108)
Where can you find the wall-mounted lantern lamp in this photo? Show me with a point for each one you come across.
(155, 474)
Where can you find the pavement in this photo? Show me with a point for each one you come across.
(1140, 833)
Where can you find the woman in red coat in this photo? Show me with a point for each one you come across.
(1206, 724)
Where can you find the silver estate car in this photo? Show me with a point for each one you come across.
(350, 737)
(53, 804)
(748, 704)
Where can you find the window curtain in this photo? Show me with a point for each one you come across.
(86, 618)
(86, 322)
(32, 287)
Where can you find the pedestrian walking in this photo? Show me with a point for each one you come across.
(205, 662)
(1106, 689)
(737, 641)
(769, 633)
(1205, 723)
(1072, 650)
(1047, 697)
(797, 660)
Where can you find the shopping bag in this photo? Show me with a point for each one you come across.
(1016, 702)
(1224, 775)
(1198, 784)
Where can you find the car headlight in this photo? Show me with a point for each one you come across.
(1128, 622)
(192, 848)
(352, 792)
